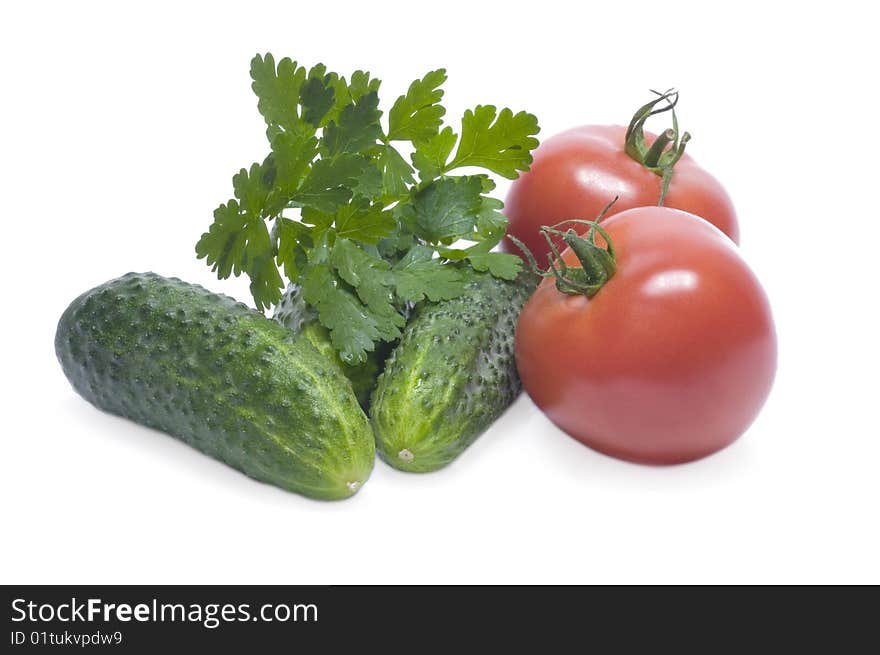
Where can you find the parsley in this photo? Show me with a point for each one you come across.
(500, 144)
(420, 275)
(418, 115)
(338, 209)
(446, 209)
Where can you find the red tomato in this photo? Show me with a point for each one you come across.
(673, 357)
(576, 173)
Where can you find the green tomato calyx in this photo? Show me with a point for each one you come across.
(662, 155)
(598, 264)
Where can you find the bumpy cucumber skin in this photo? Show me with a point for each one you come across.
(220, 377)
(451, 376)
(293, 313)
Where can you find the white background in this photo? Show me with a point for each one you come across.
(120, 129)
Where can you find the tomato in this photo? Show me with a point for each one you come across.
(670, 360)
(576, 173)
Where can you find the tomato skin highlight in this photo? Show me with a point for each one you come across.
(670, 361)
(577, 172)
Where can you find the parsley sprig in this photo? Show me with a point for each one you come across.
(340, 211)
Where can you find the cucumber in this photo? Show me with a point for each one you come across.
(451, 376)
(220, 377)
(293, 313)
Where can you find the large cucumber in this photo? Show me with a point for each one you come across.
(293, 313)
(221, 377)
(452, 374)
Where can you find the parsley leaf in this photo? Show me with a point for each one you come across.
(292, 154)
(352, 330)
(258, 262)
(446, 209)
(361, 84)
(330, 182)
(358, 127)
(237, 243)
(501, 144)
(223, 244)
(361, 221)
(500, 264)
(346, 93)
(293, 239)
(251, 190)
(371, 277)
(417, 115)
(418, 276)
(278, 91)
(430, 155)
(238, 240)
(320, 221)
(491, 223)
(396, 173)
(370, 183)
(316, 97)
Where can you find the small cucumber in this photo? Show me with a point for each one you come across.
(220, 377)
(451, 376)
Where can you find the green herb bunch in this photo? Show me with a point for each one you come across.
(369, 237)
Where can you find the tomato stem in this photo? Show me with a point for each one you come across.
(662, 155)
(598, 264)
(652, 157)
